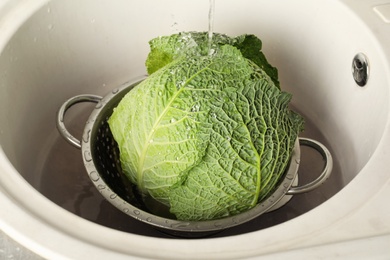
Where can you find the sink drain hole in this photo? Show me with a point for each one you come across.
(360, 69)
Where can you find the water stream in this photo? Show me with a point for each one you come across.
(211, 24)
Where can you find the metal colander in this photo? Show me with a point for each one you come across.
(101, 159)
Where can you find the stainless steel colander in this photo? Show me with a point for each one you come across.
(101, 159)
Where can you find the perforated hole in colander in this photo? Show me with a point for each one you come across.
(105, 154)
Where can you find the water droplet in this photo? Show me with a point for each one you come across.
(94, 176)
(50, 27)
(180, 83)
(149, 219)
(218, 225)
(87, 156)
(86, 136)
(173, 120)
(174, 26)
(236, 220)
(180, 225)
(290, 176)
(101, 187)
(160, 93)
(137, 212)
(115, 90)
(195, 108)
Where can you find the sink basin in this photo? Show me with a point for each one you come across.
(332, 56)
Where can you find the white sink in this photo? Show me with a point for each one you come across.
(52, 50)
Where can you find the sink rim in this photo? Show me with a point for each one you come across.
(21, 220)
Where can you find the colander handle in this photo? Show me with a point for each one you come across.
(61, 115)
(319, 147)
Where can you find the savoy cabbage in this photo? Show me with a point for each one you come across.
(209, 132)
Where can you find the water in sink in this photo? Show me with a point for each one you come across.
(62, 178)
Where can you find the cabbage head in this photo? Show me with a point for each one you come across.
(209, 132)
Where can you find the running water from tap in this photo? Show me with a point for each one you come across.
(211, 25)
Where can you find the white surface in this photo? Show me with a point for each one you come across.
(354, 223)
(384, 12)
(9, 249)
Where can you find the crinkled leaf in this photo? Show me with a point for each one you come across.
(250, 147)
(208, 135)
(165, 49)
(161, 125)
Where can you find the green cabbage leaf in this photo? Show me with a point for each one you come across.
(165, 49)
(208, 135)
